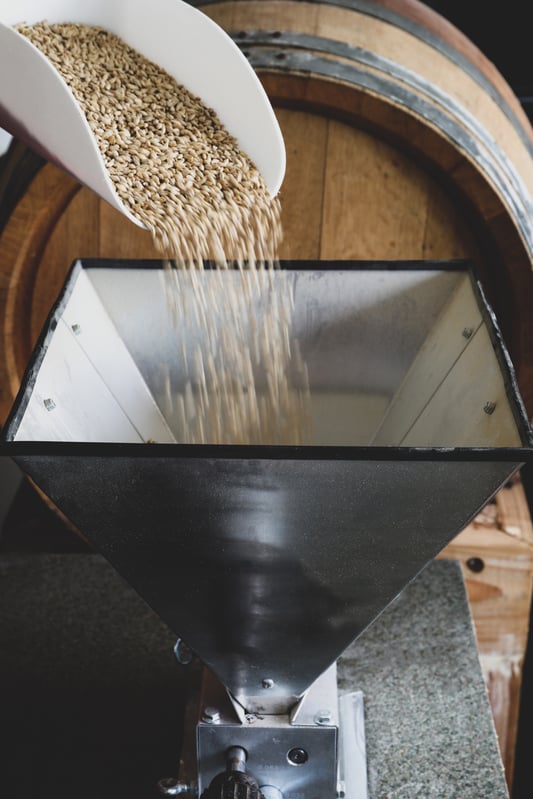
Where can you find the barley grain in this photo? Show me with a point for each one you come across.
(184, 177)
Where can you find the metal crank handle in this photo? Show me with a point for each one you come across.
(236, 783)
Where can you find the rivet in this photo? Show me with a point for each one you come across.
(467, 332)
(76, 329)
(489, 407)
(267, 683)
(49, 404)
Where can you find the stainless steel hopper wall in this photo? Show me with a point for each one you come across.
(399, 356)
(270, 560)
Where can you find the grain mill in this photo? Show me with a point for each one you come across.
(267, 561)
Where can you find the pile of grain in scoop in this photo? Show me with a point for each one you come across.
(184, 177)
(171, 161)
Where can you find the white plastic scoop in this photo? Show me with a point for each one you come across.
(38, 108)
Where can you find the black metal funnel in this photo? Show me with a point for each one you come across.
(268, 560)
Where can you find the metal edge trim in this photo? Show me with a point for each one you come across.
(488, 157)
(377, 11)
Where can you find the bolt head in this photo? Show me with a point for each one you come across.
(297, 756)
(184, 654)
(211, 715)
(323, 716)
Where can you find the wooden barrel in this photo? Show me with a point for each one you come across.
(403, 142)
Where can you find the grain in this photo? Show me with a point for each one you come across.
(241, 378)
(170, 159)
(184, 177)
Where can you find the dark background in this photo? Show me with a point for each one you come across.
(503, 33)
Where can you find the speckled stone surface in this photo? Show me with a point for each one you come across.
(92, 697)
(428, 725)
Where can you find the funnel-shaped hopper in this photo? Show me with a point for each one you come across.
(269, 560)
(37, 106)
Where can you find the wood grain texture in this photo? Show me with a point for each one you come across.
(22, 244)
(74, 235)
(441, 101)
(437, 25)
(366, 179)
(120, 238)
(302, 192)
(377, 35)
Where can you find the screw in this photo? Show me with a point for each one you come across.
(297, 756)
(211, 715)
(323, 716)
(467, 332)
(267, 683)
(489, 407)
(49, 404)
(184, 654)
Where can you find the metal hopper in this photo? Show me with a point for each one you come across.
(268, 560)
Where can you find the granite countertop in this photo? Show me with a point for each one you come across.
(428, 724)
(92, 696)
